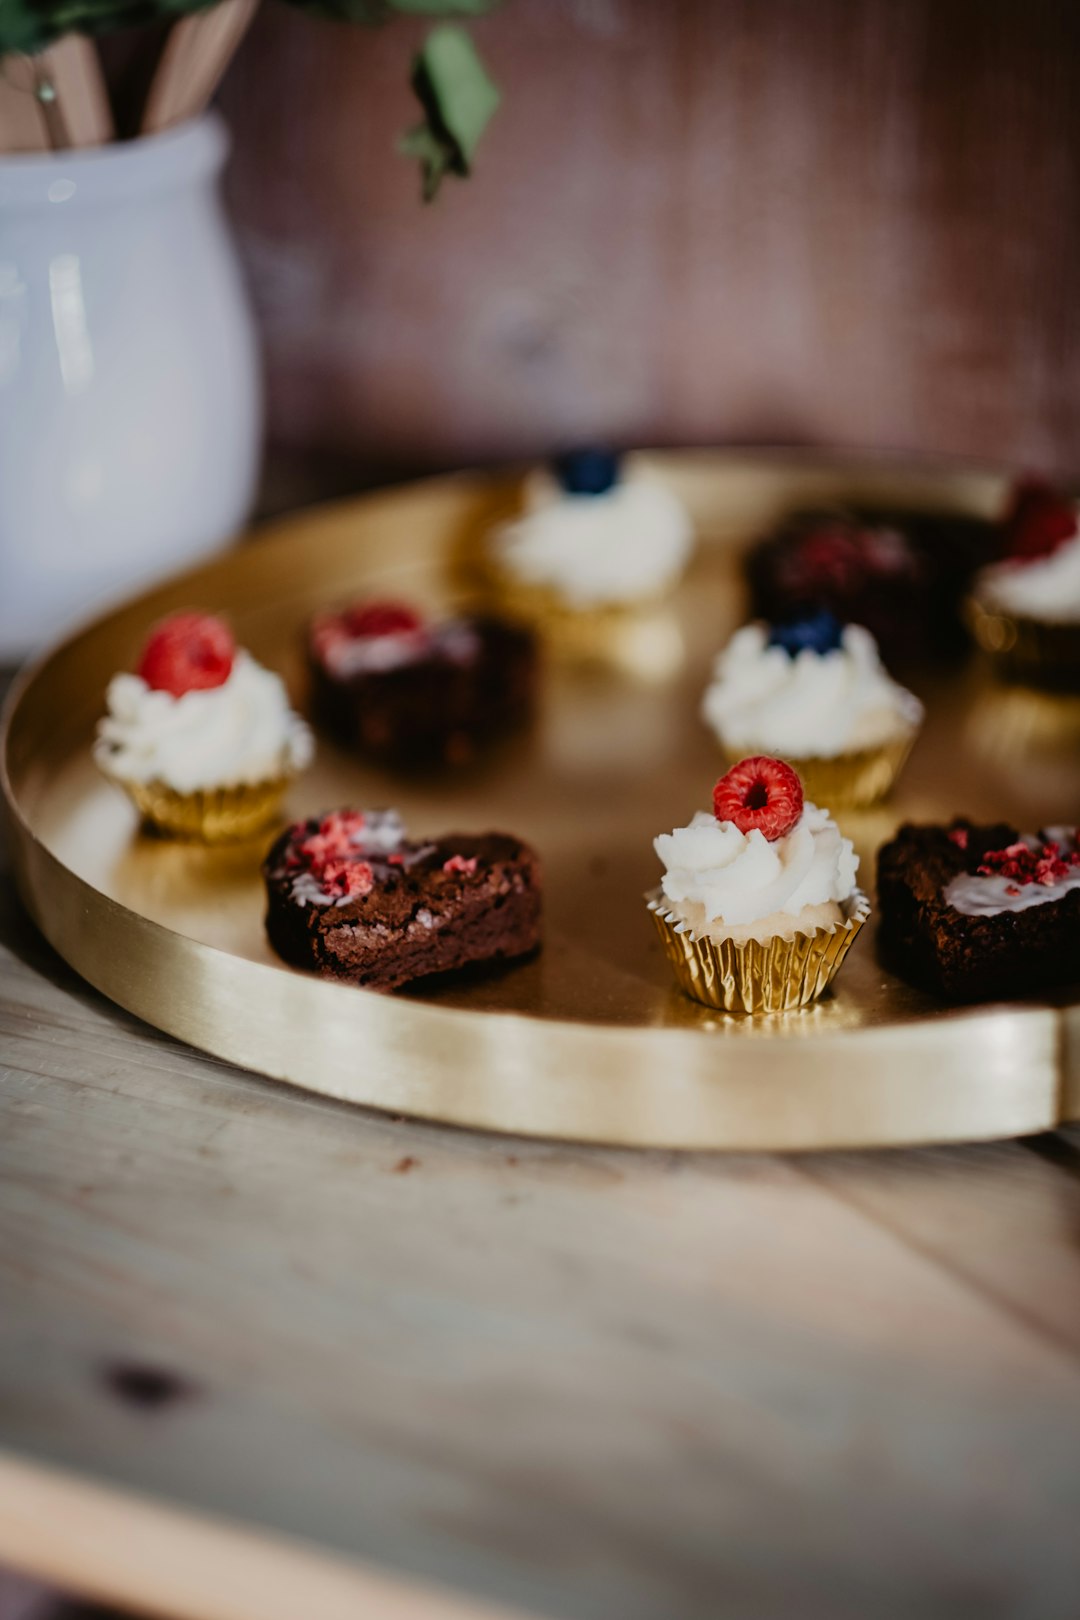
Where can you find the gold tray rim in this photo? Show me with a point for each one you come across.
(987, 1073)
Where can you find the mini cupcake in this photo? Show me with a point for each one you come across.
(201, 737)
(816, 692)
(758, 905)
(590, 546)
(1025, 610)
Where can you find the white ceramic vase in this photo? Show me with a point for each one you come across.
(130, 400)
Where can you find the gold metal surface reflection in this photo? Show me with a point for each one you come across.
(591, 1040)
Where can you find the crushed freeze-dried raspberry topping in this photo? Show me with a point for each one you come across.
(365, 621)
(461, 863)
(381, 619)
(346, 879)
(331, 852)
(336, 835)
(1022, 865)
(838, 555)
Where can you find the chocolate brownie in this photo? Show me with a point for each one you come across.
(411, 694)
(350, 896)
(1029, 945)
(901, 574)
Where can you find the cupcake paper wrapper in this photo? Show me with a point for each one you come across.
(852, 781)
(207, 816)
(750, 977)
(1035, 651)
(608, 632)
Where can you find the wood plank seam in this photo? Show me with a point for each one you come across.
(1058, 1343)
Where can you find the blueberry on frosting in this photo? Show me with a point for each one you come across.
(820, 632)
(587, 471)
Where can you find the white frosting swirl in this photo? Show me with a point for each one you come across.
(741, 877)
(1048, 588)
(630, 543)
(240, 732)
(815, 705)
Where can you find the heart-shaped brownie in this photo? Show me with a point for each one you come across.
(416, 694)
(350, 895)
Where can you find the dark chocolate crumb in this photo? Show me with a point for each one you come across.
(151, 1388)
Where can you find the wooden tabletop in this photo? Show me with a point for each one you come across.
(560, 1380)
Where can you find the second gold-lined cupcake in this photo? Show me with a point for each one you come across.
(815, 693)
(594, 547)
(1024, 610)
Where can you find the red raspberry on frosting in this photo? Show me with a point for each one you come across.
(760, 793)
(1038, 521)
(191, 652)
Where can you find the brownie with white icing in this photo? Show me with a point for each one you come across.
(979, 912)
(414, 693)
(352, 897)
(902, 574)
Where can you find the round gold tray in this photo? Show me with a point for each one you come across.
(591, 1040)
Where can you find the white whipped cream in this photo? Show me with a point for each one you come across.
(975, 895)
(815, 705)
(1048, 588)
(741, 877)
(240, 732)
(629, 543)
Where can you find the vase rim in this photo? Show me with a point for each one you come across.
(149, 163)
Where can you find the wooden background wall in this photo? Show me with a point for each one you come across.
(809, 221)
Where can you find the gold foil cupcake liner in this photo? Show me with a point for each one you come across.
(857, 780)
(754, 977)
(640, 634)
(224, 815)
(1035, 652)
(853, 781)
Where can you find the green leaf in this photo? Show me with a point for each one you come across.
(30, 25)
(458, 98)
(434, 156)
(373, 12)
(444, 8)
